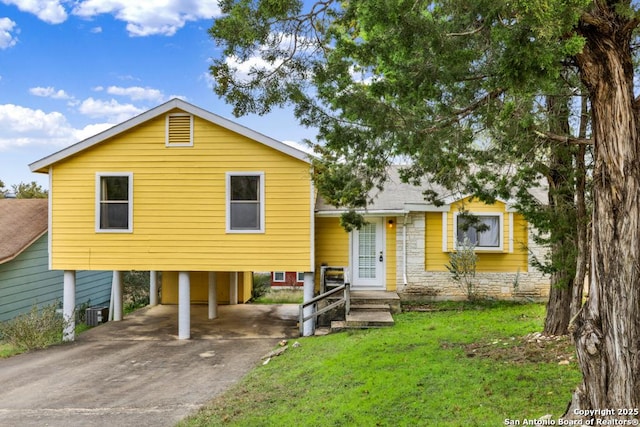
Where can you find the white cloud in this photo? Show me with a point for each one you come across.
(7, 39)
(50, 11)
(96, 30)
(300, 146)
(243, 69)
(22, 126)
(150, 17)
(91, 130)
(25, 126)
(49, 92)
(137, 93)
(112, 110)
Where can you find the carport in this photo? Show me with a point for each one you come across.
(135, 371)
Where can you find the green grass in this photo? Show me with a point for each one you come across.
(8, 350)
(280, 296)
(448, 368)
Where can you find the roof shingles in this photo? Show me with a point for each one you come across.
(22, 221)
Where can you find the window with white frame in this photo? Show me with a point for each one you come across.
(484, 231)
(114, 202)
(300, 276)
(245, 202)
(278, 276)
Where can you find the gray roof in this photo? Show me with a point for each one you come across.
(399, 197)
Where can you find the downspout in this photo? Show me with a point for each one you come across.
(404, 250)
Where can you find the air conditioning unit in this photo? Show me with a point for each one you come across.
(96, 315)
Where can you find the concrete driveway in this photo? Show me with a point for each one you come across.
(135, 372)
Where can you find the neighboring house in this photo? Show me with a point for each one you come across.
(207, 202)
(287, 278)
(25, 278)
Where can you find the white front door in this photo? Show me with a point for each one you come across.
(368, 255)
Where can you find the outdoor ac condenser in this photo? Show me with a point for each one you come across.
(96, 315)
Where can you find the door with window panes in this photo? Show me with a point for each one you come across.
(368, 255)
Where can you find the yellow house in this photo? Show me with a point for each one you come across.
(182, 191)
(205, 201)
(405, 246)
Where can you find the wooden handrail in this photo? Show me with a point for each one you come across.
(346, 300)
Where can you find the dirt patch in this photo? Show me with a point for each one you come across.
(532, 348)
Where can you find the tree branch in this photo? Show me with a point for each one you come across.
(563, 138)
(466, 33)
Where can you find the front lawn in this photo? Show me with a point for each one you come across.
(476, 366)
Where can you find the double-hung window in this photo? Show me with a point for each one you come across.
(114, 202)
(485, 231)
(245, 202)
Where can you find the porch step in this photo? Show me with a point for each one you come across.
(369, 319)
(369, 316)
(370, 307)
(375, 298)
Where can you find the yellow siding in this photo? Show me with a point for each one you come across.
(488, 261)
(179, 205)
(332, 247)
(200, 287)
(391, 253)
(332, 244)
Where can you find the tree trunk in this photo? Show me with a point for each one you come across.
(562, 235)
(582, 220)
(556, 321)
(608, 328)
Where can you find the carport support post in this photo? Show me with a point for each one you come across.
(69, 305)
(184, 305)
(213, 295)
(233, 288)
(153, 288)
(117, 295)
(308, 290)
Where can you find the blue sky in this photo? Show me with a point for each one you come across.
(72, 68)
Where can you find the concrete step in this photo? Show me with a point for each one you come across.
(377, 297)
(369, 307)
(369, 319)
(363, 320)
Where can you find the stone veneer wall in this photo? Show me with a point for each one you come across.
(424, 285)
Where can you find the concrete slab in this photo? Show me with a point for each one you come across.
(136, 372)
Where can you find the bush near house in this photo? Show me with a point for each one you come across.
(136, 290)
(261, 285)
(39, 328)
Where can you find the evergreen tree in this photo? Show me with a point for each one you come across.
(450, 85)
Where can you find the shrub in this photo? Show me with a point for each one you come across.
(136, 290)
(39, 328)
(261, 284)
(462, 266)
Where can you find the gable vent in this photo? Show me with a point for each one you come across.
(179, 130)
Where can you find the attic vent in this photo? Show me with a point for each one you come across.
(179, 130)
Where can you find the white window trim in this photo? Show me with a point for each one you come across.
(284, 276)
(481, 248)
(298, 276)
(228, 203)
(99, 176)
(166, 137)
